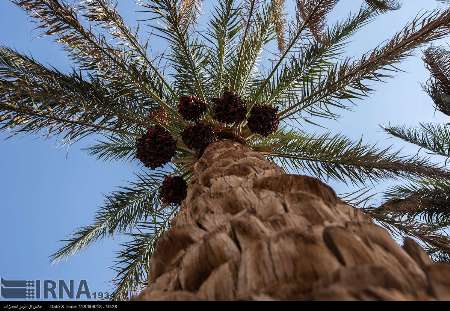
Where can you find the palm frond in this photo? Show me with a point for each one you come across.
(315, 12)
(312, 61)
(259, 31)
(34, 98)
(188, 54)
(437, 61)
(114, 147)
(105, 13)
(279, 20)
(349, 79)
(189, 11)
(121, 211)
(336, 157)
(433, 137)
(433, 239)
(133, 261)
(359, 198)
(251, 9)
(384, 5)
(425, 199)
(224, 29)
(294, 39)
(92, 52)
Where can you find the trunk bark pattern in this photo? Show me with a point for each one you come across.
(249, 231)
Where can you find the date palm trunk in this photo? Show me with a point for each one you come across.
(248, 230)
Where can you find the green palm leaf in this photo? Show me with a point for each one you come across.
(122, 210)
(336, 157)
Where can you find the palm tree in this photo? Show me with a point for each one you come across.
(209, 124)
(421, 208)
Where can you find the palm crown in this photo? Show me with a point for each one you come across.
(208, 86)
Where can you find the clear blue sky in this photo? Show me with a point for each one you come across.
(47, 191)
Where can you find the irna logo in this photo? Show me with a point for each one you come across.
(48, 289)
